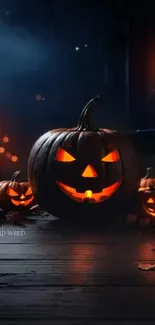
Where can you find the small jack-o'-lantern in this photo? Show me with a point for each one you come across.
(81, 165)
(14, 194)
(144, 207)
(147, 193)
(149, 201)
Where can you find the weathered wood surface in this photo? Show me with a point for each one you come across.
(63, 276)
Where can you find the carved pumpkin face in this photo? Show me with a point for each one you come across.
(90, 184)
(70, 168)
(147, 193)
(14, 194)
(20, 194)
(149, 202)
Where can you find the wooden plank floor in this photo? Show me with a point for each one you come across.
(69, 277)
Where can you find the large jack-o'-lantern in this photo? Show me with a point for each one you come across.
(71, 168)
(15, 195)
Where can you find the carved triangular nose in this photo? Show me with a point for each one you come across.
(89, 172)
(22, 196)
(150, 200)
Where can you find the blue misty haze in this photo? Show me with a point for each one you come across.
(37, 54)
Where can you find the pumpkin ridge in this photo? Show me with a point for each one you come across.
(44, 164)
(37, 153)
(148, 180)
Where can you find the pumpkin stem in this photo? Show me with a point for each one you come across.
(15, 175)
(149, 173)
(85, 117)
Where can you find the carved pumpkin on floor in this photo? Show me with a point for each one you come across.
(71, 168)
(15, 195)
(148, 201)
(147, 195)
(145, 207)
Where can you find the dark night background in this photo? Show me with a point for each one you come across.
(116, 59)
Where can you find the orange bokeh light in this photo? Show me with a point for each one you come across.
(2, 149)
(14, 158)
(5, 139)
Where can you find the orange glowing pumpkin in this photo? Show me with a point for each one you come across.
(80, 169)
(148, 180)
(145, 202)
(147, 193)
(148, 202)
(14, 194)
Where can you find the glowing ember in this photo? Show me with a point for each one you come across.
(14, 158)
(5, 139)
(2, 149)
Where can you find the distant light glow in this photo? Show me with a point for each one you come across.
(14, 158)
(5, 139)
(77, 48)
(38, 97)
(2, 149)
(86, 45)
(8, 155)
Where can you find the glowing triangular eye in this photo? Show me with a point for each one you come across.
(150, 200)
(29, 191)
(112, 157)
(63, 155)
(11, 192)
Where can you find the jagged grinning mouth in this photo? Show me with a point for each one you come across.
(89, 195)
(26, 202)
